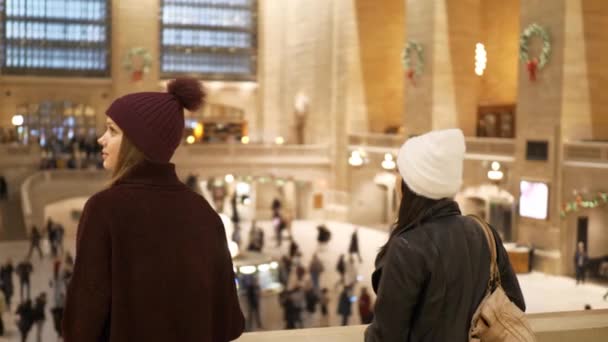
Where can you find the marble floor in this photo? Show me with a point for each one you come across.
(543, 293)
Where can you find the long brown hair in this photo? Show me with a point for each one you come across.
(128, 157)
(411, 210)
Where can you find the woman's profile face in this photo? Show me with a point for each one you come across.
(110, 143)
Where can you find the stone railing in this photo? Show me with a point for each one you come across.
(254, 153)
(492, 146)
(377, 140)
(46, 187)
(13, 155)
(477, 148)
(579, 326)
(586, 152)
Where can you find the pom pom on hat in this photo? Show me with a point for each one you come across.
(431, 164)
(188, 91)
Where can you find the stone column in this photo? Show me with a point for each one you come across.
(539, 114)
(135, 24)
(446, 95)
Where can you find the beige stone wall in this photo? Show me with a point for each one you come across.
(420, 28)
(595, 14)
(447, 93)
(539, 118)
(381, 38)
(586, 182)
(500, 35)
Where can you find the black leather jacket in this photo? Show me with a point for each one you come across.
(432, 278)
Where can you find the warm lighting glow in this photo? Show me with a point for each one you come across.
(263, 267)
(199, 130)
(495, 174)
(495, 166)
(274, 265)
(245, 140)
(190, 139)
(389, 162)
(481, 59)
(279, 140)
(229, 178)
(247, 269)
(17, 120)
(356, 158)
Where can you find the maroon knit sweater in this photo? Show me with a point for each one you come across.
(152, 264)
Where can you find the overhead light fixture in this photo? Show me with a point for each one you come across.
(245, 140)
(17, 120)
(389, 162)
(229, 178)
(190, 139)
(495, 174)
(481, 59)
(279, 140)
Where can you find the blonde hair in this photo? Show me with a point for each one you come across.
(129, 156)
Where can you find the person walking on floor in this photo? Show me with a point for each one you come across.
(434, 270)
(365, 307)
(341, 269)
(24, 271)
(252, 291)
(6, 279)
(580, 262)
(2, 309)
(39, 316)
(353, 247)
(324, 302)
(25, 321)
(3, 188)
(316, 268)
(345, 305)
(35, 239)
(130, 220)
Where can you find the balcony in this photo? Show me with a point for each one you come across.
(585, 154)
(579, 326)
(477, 148)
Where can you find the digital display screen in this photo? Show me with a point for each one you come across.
(533, 199)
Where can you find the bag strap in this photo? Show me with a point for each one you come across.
(494, 273)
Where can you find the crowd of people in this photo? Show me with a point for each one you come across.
(31, 312)
(303, 299)
(79, 152)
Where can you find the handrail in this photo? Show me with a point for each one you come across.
(579, 326)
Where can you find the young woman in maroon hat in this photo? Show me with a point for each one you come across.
(152, 261)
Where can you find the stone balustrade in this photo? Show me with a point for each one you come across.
(579, 326)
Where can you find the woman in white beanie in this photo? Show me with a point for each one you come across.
(433, 272)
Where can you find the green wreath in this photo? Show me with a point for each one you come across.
(535, 30)
(406, 58)
(139, 52)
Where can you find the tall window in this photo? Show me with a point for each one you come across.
(55, 37)
(213, 39)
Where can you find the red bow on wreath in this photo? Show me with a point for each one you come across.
(532, 68)
(410, 75)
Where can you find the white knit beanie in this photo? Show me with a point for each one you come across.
(431, 164)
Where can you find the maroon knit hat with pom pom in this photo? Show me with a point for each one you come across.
(154, 122)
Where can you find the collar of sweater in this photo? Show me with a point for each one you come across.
(151, 173)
